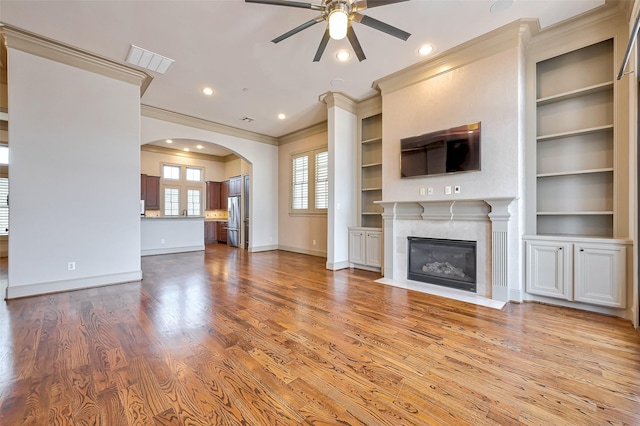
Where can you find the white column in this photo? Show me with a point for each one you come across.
(342, 126)
(500, 248)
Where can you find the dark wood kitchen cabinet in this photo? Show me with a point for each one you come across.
(214, 199)
(235, 186)
(222, 232)
(150, 191)
(210, 232)
(224, 194)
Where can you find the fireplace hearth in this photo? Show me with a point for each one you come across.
(449, 263)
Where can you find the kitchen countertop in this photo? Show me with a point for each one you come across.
(171, 217)
(216, 220)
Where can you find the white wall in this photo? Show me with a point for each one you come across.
(298, 232)
(74, 178)
(264, 173)
(485, 91)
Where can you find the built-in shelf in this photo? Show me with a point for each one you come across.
(374, 140)
(370, 171)
(584, 91)
(372, 165)
(598, 213)
(576, 172)
(575, 146)
(579, 132)
(4, 116)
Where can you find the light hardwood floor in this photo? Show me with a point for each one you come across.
(228, 337)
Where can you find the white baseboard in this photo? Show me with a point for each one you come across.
(262, 248)
(334, 266)
(317, 253)
(14, 292)
(170, 250)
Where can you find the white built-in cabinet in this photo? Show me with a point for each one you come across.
(365, 240)
(365, 248)
(576, 248)
(583, 270)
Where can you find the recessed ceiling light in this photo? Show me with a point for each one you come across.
(282, 116)
(169, 141)
(199, 146)
(207, 91)
(186, 150)
(425, 49)
(343, 55)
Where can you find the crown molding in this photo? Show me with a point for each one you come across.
(312, 130)
(200, 123)
(369, 106)
(340, 100)
(489, 44)
(26, 41)
(195, 155)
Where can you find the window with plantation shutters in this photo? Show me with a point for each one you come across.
(322, 180)
(310, 182)
(300, 183)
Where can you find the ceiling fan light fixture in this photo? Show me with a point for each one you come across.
(338, 23)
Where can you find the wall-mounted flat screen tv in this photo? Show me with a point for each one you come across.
(445, 151)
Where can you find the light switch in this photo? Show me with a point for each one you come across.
(447, 190)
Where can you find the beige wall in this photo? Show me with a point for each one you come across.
(150, 164)
(485, 91)
(297, 233)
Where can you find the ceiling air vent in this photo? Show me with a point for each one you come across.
(149, 60)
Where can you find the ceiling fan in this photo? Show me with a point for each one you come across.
(339, 14)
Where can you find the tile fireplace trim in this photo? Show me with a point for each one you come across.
(496, 210)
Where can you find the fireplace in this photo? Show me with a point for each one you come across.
(449, 263)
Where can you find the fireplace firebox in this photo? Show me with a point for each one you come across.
(449, 263)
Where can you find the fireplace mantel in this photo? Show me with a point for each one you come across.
(494, 210)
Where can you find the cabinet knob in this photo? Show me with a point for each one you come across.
(560, 248)
(581, 249)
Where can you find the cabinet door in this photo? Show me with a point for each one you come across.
(549, 269)
(600, 275)
(224, 194)
(222, 232)
(210, 232)
(152, 202)
(357, 247)
(373, 251)
(235, 186)
(213, 196)
(143, 188)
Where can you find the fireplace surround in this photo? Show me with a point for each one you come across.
(485, 220)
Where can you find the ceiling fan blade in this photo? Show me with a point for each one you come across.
(297, 29)
(323, 45)
(351, 35)
(287, 3)
(368, 4)
(381, 26)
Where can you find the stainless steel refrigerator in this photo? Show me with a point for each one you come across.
(233, 222)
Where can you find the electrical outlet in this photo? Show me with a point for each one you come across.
(314, 242)
(422, 191)
(447, 190)
(162, 241)
(456, 189)
(71, 266)
(430, 190)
